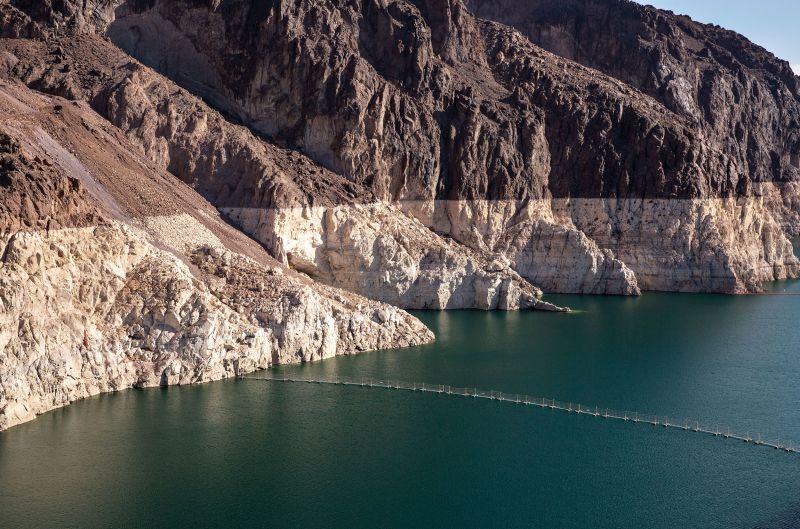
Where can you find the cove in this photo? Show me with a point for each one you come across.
(251, 453)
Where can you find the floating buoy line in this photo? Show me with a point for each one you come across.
(544, 403)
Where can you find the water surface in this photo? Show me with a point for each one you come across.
(252, 453)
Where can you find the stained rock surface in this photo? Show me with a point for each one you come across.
(467, 126)
(193, 189)
(115, 274)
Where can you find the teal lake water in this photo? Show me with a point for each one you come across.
(269, 454)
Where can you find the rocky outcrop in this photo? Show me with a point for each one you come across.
(381, 253)
(709, 245)
(97, 309)
(563, 258)
(99, 292)
(89, 310)
(547, 249)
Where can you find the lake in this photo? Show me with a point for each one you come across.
(275, 454)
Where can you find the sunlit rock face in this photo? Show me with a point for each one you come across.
(198, 189)
(572, 176)
(114, 274)
(488, 139)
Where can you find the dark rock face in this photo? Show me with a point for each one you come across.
(664, 159)
(420, 100)
(745, 100)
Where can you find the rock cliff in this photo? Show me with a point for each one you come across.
(482, 136)
(745, 100)
(193, 189)
(272, 193)
(113, 274)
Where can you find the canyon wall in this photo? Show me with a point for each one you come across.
(472, 129)
(740, 95)
(114, 274)
(422, 114)
(194, 189)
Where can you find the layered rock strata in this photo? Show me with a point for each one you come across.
(420, 153)
(272, 193)
(113, 274)
(424, 104)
